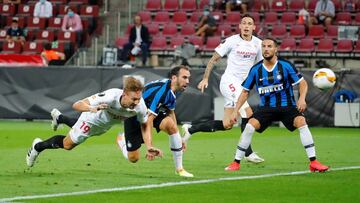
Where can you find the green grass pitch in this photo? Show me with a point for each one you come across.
(99, 164)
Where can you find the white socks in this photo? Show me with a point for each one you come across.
(122, 144)
(244, 142)
(307, 141)
(176, 148)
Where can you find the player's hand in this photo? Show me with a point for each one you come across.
(153, 152)
(202, 84)
(301, 105)
(233, 118)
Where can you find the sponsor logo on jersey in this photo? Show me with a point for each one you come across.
(271, 88)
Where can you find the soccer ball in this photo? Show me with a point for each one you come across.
(324, 79)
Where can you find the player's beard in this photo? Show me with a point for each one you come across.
(268, 58)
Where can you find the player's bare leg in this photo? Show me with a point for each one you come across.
(168, 125)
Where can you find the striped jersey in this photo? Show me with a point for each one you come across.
(274, 86)
(158, 94)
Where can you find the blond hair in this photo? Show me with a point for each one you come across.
(132, 84)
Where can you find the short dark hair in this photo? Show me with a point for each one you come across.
(272, 39)
(175, 71)
(248, 16)
(47, 46)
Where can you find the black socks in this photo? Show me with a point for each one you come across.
(66, 120)
(209, 126)
(54, 142)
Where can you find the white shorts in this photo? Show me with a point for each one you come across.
(231, 89)
(82, 130)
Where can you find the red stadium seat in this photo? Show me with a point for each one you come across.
(343, 18)
(45, 36)
(175, 42)
(188, 29)
(288, 18)
(332, 32)
(54, 23)
(162, 17)
(316, 31)
(169, 30)
(344, 46)
(153, 5)
(260, 5)
(171, 5)
(197, 41)
(271, 18)
(2, 34)
(153, 29)
(279, 31)
(278, 5)
(312, 5)
(212, 43)
(158, 44)
(121, 41)
(21, 21)
(78, 2)
(296, 5)
(256, 17)
(36, 23)
(62, 10)
(188, 5)
(195, 16)
(203, 3)
(145, 16)
(66, 37)
(25, 10)
(233, 18)
(89, 11)
(306, 45)
(325, 45)
(60, 47)
(31, 35)
(179, 17)
(297, 31)
(11, 48)
(7, 9)
(338, 5)
(32, 48)
(58, 2)
(224, 30)
(288, 45)
(357, 19)
(357, 47)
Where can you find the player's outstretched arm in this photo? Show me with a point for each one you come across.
(151, 152)
(204, 82)
(301, 103)
(84, 106)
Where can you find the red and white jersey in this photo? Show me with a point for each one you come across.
(242, 55)
(104, 119)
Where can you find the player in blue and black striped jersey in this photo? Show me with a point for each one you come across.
(274, 79)
(160, 99)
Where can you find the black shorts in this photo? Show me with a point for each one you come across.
(132, 128)
(266, 115)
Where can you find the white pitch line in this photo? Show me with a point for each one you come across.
(168, 184)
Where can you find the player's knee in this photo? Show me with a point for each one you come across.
(133, 158)
(68, 147)
(255, 123)
(228, 125)
(299, 121)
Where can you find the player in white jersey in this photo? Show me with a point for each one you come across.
(99, 113)
(243, 51)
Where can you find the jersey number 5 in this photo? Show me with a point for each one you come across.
(85, 128)
(232, 88)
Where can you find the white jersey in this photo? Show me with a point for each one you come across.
(242, 55)
(102, 120)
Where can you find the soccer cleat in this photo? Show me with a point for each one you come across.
(55, 113)
(184, 173)
(317, 166)
(120, 141)
(32, 153)
(234, 166)
(254, 158)
(186, 135)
